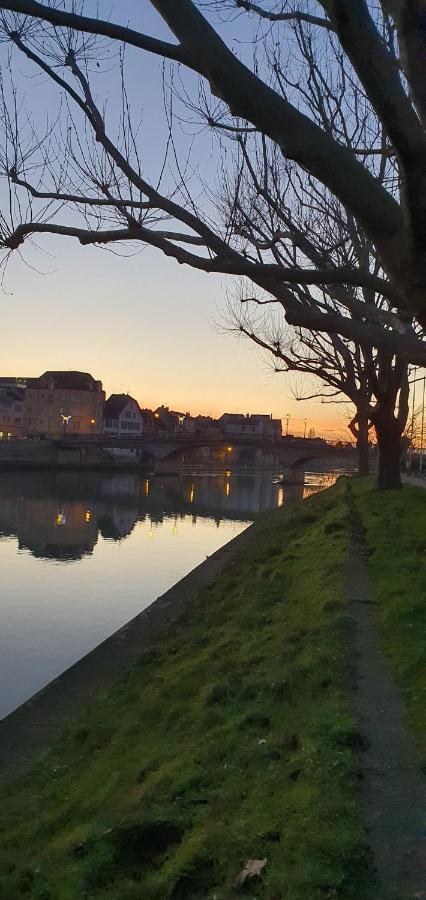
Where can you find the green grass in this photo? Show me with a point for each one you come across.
(232, 740)
(395, 532)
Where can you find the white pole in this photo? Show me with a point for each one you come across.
(412, 422)
(423, 422)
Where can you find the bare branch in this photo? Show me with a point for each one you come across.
(65, 19)
(284, 16)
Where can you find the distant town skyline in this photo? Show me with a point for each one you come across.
(175, 398)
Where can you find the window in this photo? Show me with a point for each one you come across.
(124, 426)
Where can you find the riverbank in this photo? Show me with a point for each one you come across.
(234, 739)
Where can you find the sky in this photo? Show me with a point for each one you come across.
(141, 324)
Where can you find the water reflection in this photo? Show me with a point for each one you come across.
(61, 515)
(82, 553)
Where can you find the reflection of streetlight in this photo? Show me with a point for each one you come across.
(304, 433)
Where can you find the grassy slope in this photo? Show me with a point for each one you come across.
(231, 741)
(395, 532)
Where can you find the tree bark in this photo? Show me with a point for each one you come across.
(388, 433)
(362, 446)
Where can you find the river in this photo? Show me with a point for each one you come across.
(82, 553)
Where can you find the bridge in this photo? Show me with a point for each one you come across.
(166, 451)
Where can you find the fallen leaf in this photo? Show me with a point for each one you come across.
(252, 869)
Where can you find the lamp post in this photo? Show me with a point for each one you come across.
(304, 430)
(287, 421)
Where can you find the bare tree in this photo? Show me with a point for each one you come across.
(346, 27)
(336, 372)
(288, 212)
(337, 137)
(376, 385)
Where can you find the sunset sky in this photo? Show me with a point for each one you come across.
(142, 324)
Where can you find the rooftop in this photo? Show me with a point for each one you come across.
(63, 381)
(116, 403)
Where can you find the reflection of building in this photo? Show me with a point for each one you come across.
(117, 522)
(60, 515)
(11, 411)
(259, 425)
(122, 416)
(54, 527)
(70, 402)
(49, 529)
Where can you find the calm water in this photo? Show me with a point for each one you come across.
(82, 553)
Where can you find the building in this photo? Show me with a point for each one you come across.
(11, 411)
(122, 416)
(170, 420)
(206, 425)
(149, 422)
(13, 381)
(63, 403)
(251, 425)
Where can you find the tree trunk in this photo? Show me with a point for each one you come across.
(362, 446)
(388, 434)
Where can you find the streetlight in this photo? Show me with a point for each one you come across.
(304, 432)
(65, 420)
(287, 421)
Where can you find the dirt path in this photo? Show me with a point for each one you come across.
(393, 790)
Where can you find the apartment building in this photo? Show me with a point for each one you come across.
(63, 403)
